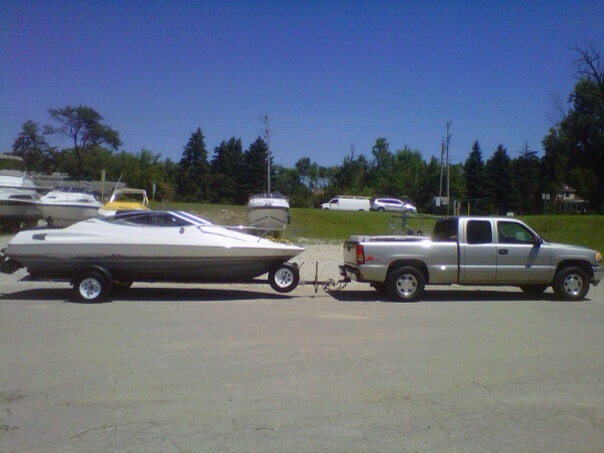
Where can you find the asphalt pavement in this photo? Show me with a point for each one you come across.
(219, 368)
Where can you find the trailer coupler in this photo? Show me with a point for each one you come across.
(327, 285)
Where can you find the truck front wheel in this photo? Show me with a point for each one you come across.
(571, 283)
(406, 284)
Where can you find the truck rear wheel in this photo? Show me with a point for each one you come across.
(406, 284)
(571, 283)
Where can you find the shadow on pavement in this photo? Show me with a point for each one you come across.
(147, 294)
(445, 295)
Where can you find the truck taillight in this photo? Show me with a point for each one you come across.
(360, 254)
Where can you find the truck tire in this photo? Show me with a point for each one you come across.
(571, 283)
(91, 286)
(406, 284)
(284, 278)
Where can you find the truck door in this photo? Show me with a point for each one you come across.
(520, 255)
(478, 255)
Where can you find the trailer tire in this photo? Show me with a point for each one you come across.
(406, 284)
(284, 278)
(91, 286)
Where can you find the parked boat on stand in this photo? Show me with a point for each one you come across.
(268, 212)
(18, 194)
(67, 205)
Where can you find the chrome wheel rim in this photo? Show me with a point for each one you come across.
(90, 288)
(573, 284)
(284, 277)
(406, 285)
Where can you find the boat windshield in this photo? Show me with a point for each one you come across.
(157, 218)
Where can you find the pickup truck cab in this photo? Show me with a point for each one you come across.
(471, 251)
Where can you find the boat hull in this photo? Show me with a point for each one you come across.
(268, 211)
(15, 211)
(270, 218)
(130, 263)
(63, 215)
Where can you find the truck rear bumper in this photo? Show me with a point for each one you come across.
(349, 272)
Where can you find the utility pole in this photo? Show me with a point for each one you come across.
(444, 156)
(268, 158)
(447, 140)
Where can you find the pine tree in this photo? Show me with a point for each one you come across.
(474, 174)
(499, 176)
(193, 170)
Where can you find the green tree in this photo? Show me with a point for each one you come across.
(474, 173)
(351, 177)
(382, 173)
(574, 147)
(254, 169)
(429, 182)
(526, 176)
(83, 125)
(142, 170)
(193, 170)
(225, 168)
(32, 147)
(407, 168)
(498, 171)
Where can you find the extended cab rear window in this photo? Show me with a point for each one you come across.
(479, 232)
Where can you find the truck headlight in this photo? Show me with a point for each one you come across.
(599, 257)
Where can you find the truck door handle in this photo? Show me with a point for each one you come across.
(503, 251)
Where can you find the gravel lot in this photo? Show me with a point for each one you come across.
(171, 368)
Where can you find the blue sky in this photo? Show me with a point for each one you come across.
(330, 75)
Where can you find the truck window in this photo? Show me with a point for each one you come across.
(445, 231)
(479, 232)
(514, 233)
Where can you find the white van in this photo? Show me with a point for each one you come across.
(348, 203)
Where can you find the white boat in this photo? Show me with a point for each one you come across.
(66, 206)
(168, 246)
(126, 199)
(268, 211)
(18, 195)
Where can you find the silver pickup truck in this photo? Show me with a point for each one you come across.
(471, 251)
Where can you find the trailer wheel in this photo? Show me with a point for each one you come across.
(406, 284)
(571, 283)
(284, 278)
(91, 286)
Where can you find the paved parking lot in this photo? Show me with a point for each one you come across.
(173, 368)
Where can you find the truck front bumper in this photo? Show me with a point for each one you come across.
(598, 274)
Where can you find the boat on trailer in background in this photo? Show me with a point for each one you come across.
(268, 211)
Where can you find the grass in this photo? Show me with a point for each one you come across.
(335, 226)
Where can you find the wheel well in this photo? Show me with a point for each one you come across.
(420, 265)
(101, 270)
(576, 263)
